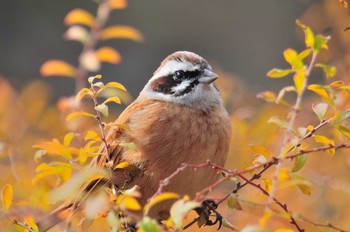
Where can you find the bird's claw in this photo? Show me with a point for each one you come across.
(209, 209)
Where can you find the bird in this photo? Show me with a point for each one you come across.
(178, 117)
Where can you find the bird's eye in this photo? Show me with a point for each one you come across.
(179, 75)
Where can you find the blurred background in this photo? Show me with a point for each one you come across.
(241, 39)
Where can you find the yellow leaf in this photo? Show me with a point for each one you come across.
(309, 35)
(82, 93)
(179, 210)
(92, 135)
(31, 222)
(115, 85)
(131, 203)
(267, 96)
(112, 99)
(68, 139)
(267, 183)
(7, 195)
(159, 198)
(57, 68)
(284, 174)
(260, 150)
(121, 32)
(118, 4)
(327, 142)
(265, 218)
(291, 56)
(279, 73)
(109, 55)
(322, 92)
(77, 114)
(299, 80)
(79, 16)
(122, 165)
(337, 83)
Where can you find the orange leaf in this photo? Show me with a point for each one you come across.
(108, 54)
(79, 16)
(121, 32)
(57, 68)
(7, 194)
(118, 4)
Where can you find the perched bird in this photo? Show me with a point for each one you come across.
(178, 118)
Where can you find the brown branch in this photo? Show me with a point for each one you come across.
(327, 225)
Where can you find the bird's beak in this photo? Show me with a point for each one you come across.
(207, 77)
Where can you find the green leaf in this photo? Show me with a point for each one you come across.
(299, 162)
(309, 35)
(77, 114)
(320, 43)
(149, 225)
(299, 80)
(339, 117)
(329, 71)
(291, 56)
(227, 224)
(278, 73)
(103, 108)
(233, 202)
(322, 92)
(320, 110)
(278, 121)
(345, 131)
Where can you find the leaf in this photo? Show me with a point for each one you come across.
(92, 135)
(267, 184)
(278, 73)
(31, 223)
(121, 165)
(252, 229)
(117, 4)
(320, 43)
(179, 210)
(103, 108)
(68, 139)
(115, 85)
(79, 16)
(329, 71)
(128, 203)
(131, 146)
(159, 198)
(278, 121)
(260, 150)
(109, 55)
(345, 131)
(327, 142)
(82, 93)
(284, 174)
(7, 195)
(227, 224)
(320, 110)
(121, 32)
(63, 170)
(233, 202)
(337, 83)
(283, 230)
(339, 117)
(268, 96)
(322, 92)
(77, 33)
(112, 99)
(89, 61)
(78, 114)
(299, 80)
(148, 225)
(291, 56)
(56, 148)
(302, 55)
(309, 35)
(299, 162)
(303, 184)
(57, 68)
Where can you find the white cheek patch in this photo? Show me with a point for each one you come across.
(181, 87)
(171, 66)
